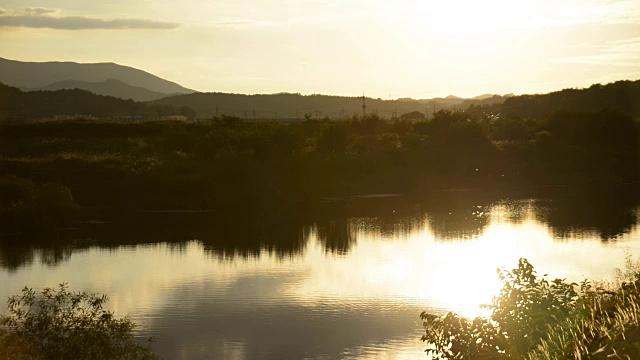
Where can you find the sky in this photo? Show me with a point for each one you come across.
(386, 49)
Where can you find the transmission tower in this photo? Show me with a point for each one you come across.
(364, 106)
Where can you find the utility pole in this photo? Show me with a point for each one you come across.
(364, 106)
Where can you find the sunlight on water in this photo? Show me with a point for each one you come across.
(362, 303)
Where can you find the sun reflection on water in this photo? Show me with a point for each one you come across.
(456, 274)
(384, 280)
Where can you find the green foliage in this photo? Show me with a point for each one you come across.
(454, 337)
(533, 318)
(53, 205)
(25, 205)
(333, 140)
(18, 105)
(59, 324)
(511, 128)
(214, 163)
(526, 306)
(178, 138)
(604, 324)
(15, 191)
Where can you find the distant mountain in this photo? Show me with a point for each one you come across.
(483, 100)
(296, 106)
(110, 87)
(442, 101)
(453, 102)
(33, 75)
(288, 106)
(622, 96)
(456, 101)
(483, 96)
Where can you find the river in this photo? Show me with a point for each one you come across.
(346, 285)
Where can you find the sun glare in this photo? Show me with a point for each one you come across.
(457, 275)
(473, 17)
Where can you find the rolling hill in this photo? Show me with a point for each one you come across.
(110, 87)
(621, 96)
(16, 105)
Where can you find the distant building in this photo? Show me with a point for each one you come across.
(414, 115)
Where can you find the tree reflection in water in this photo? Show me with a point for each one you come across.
(337, 225)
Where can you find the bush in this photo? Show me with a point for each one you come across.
(59, 324)
(53, 205)
(533, 318)
(24, 205)
(15, 191)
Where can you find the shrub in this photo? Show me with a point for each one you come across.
(24, 205)
(53, 205)
(59, 324)
(535, 319)
(15, 191)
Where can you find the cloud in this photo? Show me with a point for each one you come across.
(241, 23)
(625, 52)
(237, 22)
(38, 11)
(39, 18)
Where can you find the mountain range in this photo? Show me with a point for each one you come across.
(101, 78)
(16, 105)
(52, 82)
(297, 106)
(129, 83)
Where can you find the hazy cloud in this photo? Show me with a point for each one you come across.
(624, 52)
(38, 11)
(238, 22)
(42, 18)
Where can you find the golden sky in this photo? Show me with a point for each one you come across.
(399, 48)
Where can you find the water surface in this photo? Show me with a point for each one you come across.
(348, 285)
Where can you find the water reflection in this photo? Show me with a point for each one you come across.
(341, 280)
(337, 225)
(607, 217)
